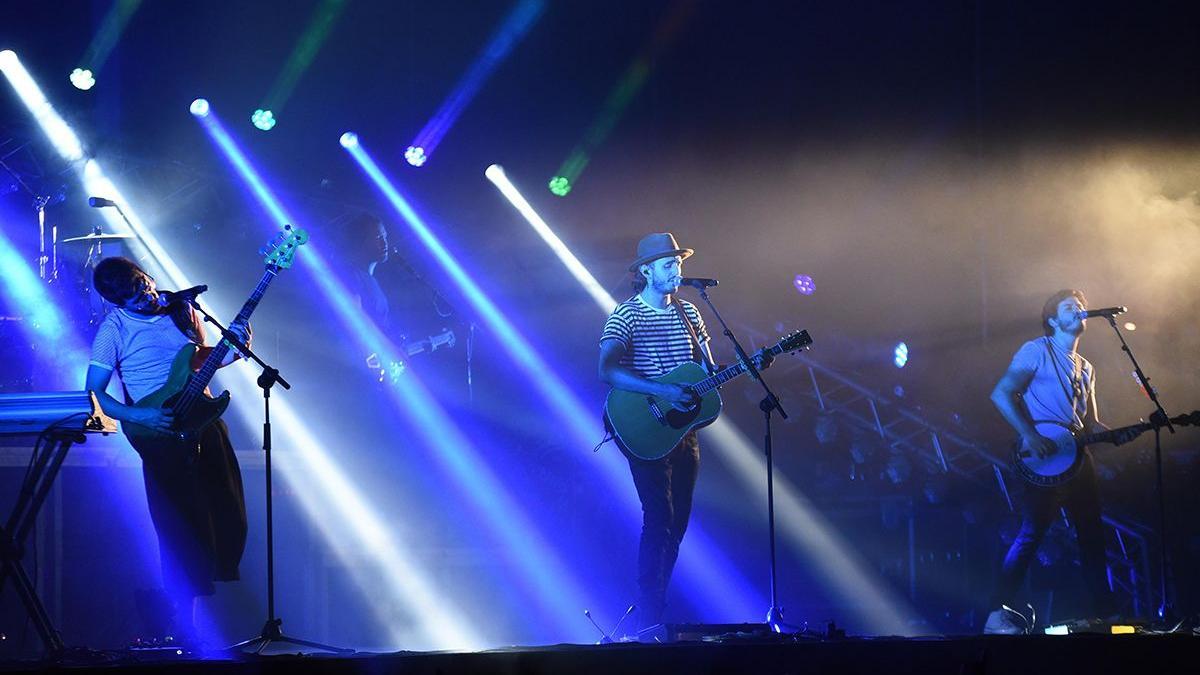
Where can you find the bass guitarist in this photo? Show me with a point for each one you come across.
(646, 337)
(196, 500)
(1049, 381)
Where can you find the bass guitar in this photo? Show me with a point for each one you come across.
(1061, 465)
(648, 427)
(184, 393)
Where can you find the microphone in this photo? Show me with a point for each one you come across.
(696, 282)
(169, 298)
(100, 202)
(1108, 312)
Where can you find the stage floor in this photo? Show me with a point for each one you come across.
(1061, 655)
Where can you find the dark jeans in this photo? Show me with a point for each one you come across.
(665, 488)
(1080, 497)
(199, 513)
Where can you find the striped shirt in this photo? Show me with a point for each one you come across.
(655, 340)
(140, 348)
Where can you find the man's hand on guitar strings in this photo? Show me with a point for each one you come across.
(679, 396)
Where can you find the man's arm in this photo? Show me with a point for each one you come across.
(97, 381)
(1006, 398)
(620, 377)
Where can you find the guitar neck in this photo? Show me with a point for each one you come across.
(725, 374)
(215, 357)
(1110, 435)
(1188, 420)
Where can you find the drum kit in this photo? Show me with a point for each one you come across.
(68, 281)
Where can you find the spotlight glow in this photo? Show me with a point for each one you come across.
(804, 284)
(560, 186)
(263, 120)
(61, 136)
(415, 155)
(900, 355)
(199, 107)
(349, 140)
(82, 79)
(1129, 325)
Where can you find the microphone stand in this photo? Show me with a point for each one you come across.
(272, 630)
(1166, 608)
(769, 404)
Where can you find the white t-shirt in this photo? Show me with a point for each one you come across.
(139, 348)
(1062, 383)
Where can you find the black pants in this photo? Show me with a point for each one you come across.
(1080, 497)
(665, 488)
(199, 513)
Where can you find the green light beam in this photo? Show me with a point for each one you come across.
(618, 100)
(319, 28)
(111, 27)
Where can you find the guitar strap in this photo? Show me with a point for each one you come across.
(708, 364)
(1075, 391)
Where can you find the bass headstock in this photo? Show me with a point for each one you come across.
(281, 251)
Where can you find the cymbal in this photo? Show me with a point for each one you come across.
(93, 237)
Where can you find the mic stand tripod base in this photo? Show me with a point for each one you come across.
(778, 625)
(272, 633)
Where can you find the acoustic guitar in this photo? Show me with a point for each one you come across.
(648, 427)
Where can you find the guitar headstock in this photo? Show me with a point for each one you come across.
(281, 251)
(794, 341)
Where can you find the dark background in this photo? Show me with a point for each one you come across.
(939, 169)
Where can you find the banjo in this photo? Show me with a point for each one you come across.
(1061, 465)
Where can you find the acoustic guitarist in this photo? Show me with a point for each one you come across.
(1048, 380)
(646, 337)
(196, 500)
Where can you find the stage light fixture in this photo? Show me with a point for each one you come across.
(199, 107)
(1129, 325)
(804, 284)
(349, 140)
(263, 120)
(560, 186)
(900, 355)
(415, 155)
(82, 79)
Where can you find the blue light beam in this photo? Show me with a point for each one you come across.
(710, 573)
(543, 573)
(518, 22)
